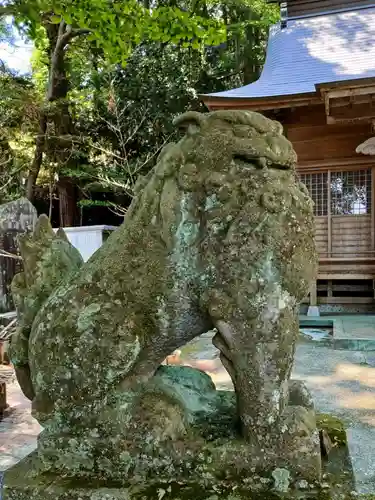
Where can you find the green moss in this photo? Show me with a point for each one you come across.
(334, 428)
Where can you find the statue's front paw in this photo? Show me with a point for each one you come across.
(298, 422)
(300, 442)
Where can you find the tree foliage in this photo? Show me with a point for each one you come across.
(19, 109)
(118, 26)
(109, 77)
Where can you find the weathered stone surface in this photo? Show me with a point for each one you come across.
(49, 259)
(299, 395)
(25, 481)
(18, 215)
(181, 425)
(219, 235)
(326, 445)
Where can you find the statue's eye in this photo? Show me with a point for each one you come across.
(252, 161)
(244, 157)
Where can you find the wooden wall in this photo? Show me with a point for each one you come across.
(321, 235)
(351, 235)
(345, 236)
(316, 141)
(345, 243)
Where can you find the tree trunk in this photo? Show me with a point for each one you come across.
(38, 158)
(61, 152)
(249, 54)
(6, 154)
(58, 149)
(68, 210)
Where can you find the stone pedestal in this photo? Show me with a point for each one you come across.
(184, 435)
(25, 482)
(22, 482)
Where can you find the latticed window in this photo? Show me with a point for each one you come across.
(351, 192)
(317, 186)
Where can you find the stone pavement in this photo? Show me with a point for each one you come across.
(342, 383)
(354, 332)
(18, 430)
(359, 326)
(350, 332)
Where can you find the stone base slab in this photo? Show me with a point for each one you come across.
(24, 482)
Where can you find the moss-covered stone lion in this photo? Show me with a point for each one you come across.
(219, 234)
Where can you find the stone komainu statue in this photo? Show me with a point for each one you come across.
(219, 234)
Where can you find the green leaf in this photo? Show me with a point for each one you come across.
(93, 203)
(68, 19)
(55, 19)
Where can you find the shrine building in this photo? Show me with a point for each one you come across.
(318, 80)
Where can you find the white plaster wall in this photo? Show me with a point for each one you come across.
(87, 239)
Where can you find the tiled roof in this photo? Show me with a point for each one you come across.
(311, 51)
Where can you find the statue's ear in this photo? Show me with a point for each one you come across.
(61, 234)
(191, 122)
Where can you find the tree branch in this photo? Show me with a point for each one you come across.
(62, 37)
(65, 34)
(7, 10)
(80, 32)
(68, 35)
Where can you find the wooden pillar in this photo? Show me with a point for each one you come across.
(313, 294)
(373, 220)
(372, 210)
(329, 215)
(3, 399)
